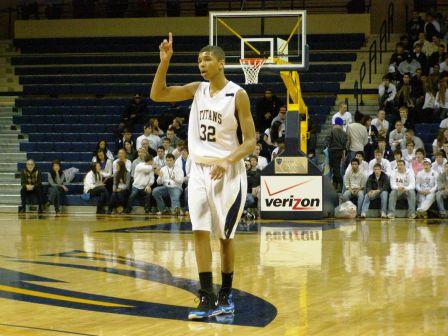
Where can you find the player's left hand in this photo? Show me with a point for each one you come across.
(219, 167)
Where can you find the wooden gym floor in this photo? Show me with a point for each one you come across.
(88, 275)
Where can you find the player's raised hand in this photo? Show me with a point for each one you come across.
(166, 48)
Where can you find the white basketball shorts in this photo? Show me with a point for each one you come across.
(217, 203)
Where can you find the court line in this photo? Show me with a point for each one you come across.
(45, 329)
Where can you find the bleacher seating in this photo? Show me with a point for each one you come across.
(73, 98)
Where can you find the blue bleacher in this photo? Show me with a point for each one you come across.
(68, 128)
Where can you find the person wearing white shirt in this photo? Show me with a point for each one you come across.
(94, 186)
(398, 156)
(444, 123)
(363, 165)
(444, 65)
(381, 124)
(184, 163)
(409, 152)
(105, 163)
(439, 163)
(387, 92)
(122, 157)
(262, 161)
(442, 98)
(141, 158)
(385, 164)
(355, 182)
(170, 180)
(409, 136)
(344, 115)
(154, 140)
(159, 160)
(397, 135)
(402, 183)
(426, 186)
(143, 180)
(442, 191)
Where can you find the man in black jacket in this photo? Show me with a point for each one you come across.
(31, 181)
(135, 113)
(336, 143)
(377, 186)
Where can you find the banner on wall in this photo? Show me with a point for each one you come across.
(291, 193)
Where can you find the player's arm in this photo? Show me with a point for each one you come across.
(159, 91)
(248, 131)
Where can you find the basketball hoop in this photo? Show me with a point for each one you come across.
(251, 68)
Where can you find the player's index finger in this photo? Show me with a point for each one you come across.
(170, 37)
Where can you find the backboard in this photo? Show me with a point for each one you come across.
(277, 36)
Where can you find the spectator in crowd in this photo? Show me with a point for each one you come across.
(149, 150)
(102, 144)
(426, 187)
(442, 191)
(397, 135)
(398, 56)
(387, 92)
(135, 113)
(437, 57)
(442, 99)
(127, 136)
(385, 164)
(154, 140)
(407, 122)
(312, 139)
(343, 114)
(439, 163)
(272, 135)
(159, 160)
(402, 183)
(409, 66)
(281, 117)
(106, 168)
(432, 27)
(140, 158)
(266, 108)
(415, 25)
(253, 185)
(262, 161)
(166, 144)
(377, 186)
(438, 142)
(398, 155)
(31, 182)
(409, 152)
(131, 153)
(178, 128)
(444, 65)
(121, 157)
(357, 137)
(424, 44)
(94, 186)
(279, 149)
(381, 124)
(405, 96)
(174, 140)
(184, 163)
(421, 58)
(418, 90)
(444, 123)
(336, 143)
(407, 45)
(363, 165)
(180, 145)
(155, 129)
(409, 136)
(385, 150)
(143, 180)
(57, 185)
(372, 142)
(120, 190)
(354, 182)
(170, 180)
(417, 162)
(429, 105)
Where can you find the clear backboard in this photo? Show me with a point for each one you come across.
(277, 37)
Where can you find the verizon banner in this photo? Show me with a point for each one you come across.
(291, 193)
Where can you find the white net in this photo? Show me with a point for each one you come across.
(251, 68)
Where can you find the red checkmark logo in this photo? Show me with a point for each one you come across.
(279, 191)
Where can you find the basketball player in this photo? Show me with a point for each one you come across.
(218, 185)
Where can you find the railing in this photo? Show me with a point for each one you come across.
(362, 75)
(383, 40)
(372, 58)
(390, 20)
(356, 94)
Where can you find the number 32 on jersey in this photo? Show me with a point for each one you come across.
(208, 133)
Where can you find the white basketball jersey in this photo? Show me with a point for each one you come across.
(212, 127)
